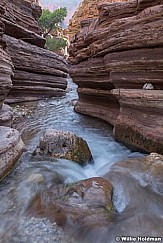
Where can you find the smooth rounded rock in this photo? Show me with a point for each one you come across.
(11, 147)
(60, 144)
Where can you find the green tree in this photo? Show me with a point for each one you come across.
(54, 44)
(50, 21)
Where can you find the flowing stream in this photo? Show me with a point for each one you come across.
(138, 200)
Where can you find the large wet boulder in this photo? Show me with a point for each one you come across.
(86, 204)
(61, 144)
(11, 147)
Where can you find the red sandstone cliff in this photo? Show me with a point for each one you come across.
(116, 59)
(38, 73)
(86, 12)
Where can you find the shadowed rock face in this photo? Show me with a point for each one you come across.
(6, 72)
(114, 57)
(5, 77)
(11, 145)
(38, 73)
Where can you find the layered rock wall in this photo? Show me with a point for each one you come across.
(6, 71)
(116, 59)
(38, 73)
(86, 13)
(11, 145)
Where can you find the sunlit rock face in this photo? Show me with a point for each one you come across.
(85, 14)
(38, 73)
(116, 58)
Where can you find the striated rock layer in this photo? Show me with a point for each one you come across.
(85, 14)
(6, 71)
(38, 73)
(116, 59)
(11, 145)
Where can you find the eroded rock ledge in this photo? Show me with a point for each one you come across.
(114, 57)
(11, 145)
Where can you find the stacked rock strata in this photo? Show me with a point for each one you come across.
(5, 79)
(11, 145)
(116, 60)
(86, 13)
(38, 73)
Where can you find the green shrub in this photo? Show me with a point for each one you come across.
(54, 44)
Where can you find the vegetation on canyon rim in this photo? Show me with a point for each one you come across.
(50, 22)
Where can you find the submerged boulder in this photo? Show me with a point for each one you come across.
(61, 144)
(11, 147)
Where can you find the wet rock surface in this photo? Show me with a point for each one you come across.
(11, 147)
(60, 144)
(148, 170)
(85, 204)
(113, 57)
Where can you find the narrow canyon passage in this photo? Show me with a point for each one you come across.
(137, 201)
(65, 175)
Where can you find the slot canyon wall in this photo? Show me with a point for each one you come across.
(86, 13)
(11, 145)
(117, 63)
(38, 73)
(27, 71)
